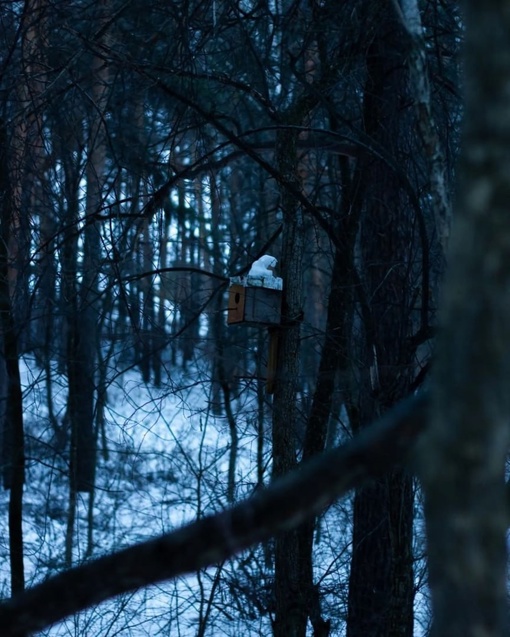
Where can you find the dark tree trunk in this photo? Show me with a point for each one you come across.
(84, 341)
(380, 602)
(81, 401)
(291, 609)
(13, 452)
(381, 584)
(14, 420)
(334, 356)
(466, 455)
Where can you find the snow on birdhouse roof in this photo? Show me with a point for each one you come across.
(261, 275)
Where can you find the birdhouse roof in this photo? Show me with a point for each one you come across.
(270, 282)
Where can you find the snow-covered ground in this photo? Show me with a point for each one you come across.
(166, 464)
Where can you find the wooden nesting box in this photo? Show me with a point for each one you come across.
(255, 301)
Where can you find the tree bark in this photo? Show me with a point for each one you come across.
(82, 362)
(381, 588)
(291, 613)
(13, 443)
(464, 459)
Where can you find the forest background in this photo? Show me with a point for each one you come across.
(149, 152)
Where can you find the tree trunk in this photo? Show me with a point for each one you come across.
(83, 343)
(381, 588)
(464, 458)
(291, 610)
(13, 452)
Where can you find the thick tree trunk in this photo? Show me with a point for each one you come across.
(291, 609)
(83, 343)
(380, 600)
(381, 583)
(464, 460)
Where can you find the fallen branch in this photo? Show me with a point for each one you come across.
(285, 504)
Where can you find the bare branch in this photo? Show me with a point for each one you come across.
(287, 503)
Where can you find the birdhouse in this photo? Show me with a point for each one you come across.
(256, 299)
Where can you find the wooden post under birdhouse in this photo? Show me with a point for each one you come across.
(272, 359)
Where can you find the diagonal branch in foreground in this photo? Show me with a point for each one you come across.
(285, 504)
